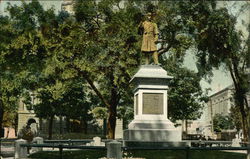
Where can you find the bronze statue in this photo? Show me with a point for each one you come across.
(150, 37)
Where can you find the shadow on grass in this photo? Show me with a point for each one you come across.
(83, 154)
(181, 154)
(145, 154)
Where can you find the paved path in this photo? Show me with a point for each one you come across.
(236, 151)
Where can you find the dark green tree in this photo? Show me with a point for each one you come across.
(11, 76)
(69, 99)
(219, 43)
(222, 122)
(186, 98)
(100, 44)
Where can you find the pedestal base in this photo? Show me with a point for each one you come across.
(152, 130)
(152, 135)
(158, 144)
(151, 124)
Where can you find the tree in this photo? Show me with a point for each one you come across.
(10, 77)
(236, 116)
(114, 58)
(222, 122)
(78, 100)
(219, 43)
(186, 98)
(99, 44)
(69, 99)
(108, 35)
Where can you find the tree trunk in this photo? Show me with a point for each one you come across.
(244, 127)
(1, 115)
(50, 126)
(67, 125)
(114, 98)
(184, 129)
(60, 125)
(240, 101)
(16, 124)
(240, 94)
(104, 127)
(84, 126)
(111, 123)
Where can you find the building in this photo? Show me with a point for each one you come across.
(26, 115)
(221, 102)
(68, 6)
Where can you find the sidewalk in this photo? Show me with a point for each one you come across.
(236, 151)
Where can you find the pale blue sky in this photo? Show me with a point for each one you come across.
(222, 78)
(46, 4)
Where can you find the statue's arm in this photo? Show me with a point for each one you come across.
(156, 32)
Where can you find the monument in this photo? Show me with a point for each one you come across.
(151, 124)
(151, 121)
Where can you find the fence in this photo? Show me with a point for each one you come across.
(203, 143)
(114, 148)
(69, 142)
(61, 147)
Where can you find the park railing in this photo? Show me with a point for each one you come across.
(61, 147)
(187, 149)
(204, 143)
(114, 148)
(69, 141)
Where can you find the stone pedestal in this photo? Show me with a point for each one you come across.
(114, 150)
(20, 151)
(151, 123)
(37, 140)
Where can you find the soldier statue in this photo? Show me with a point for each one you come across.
(150, 37)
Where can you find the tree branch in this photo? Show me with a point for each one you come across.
(92, 85)
(163, 50)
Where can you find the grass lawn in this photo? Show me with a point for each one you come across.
(147, 154)
(181, 154)
(82, 154)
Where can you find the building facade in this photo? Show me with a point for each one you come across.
(26, 116)
(68, 6)
(221, 102)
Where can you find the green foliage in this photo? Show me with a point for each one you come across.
(236, 117)
(186, 98)
(58, 54)
(9, 118)
(222, 122)
(73, 103)
(219, 43)
(100, 112)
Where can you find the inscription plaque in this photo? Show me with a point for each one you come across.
(152, 103)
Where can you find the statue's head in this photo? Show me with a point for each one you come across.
(149, 16)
